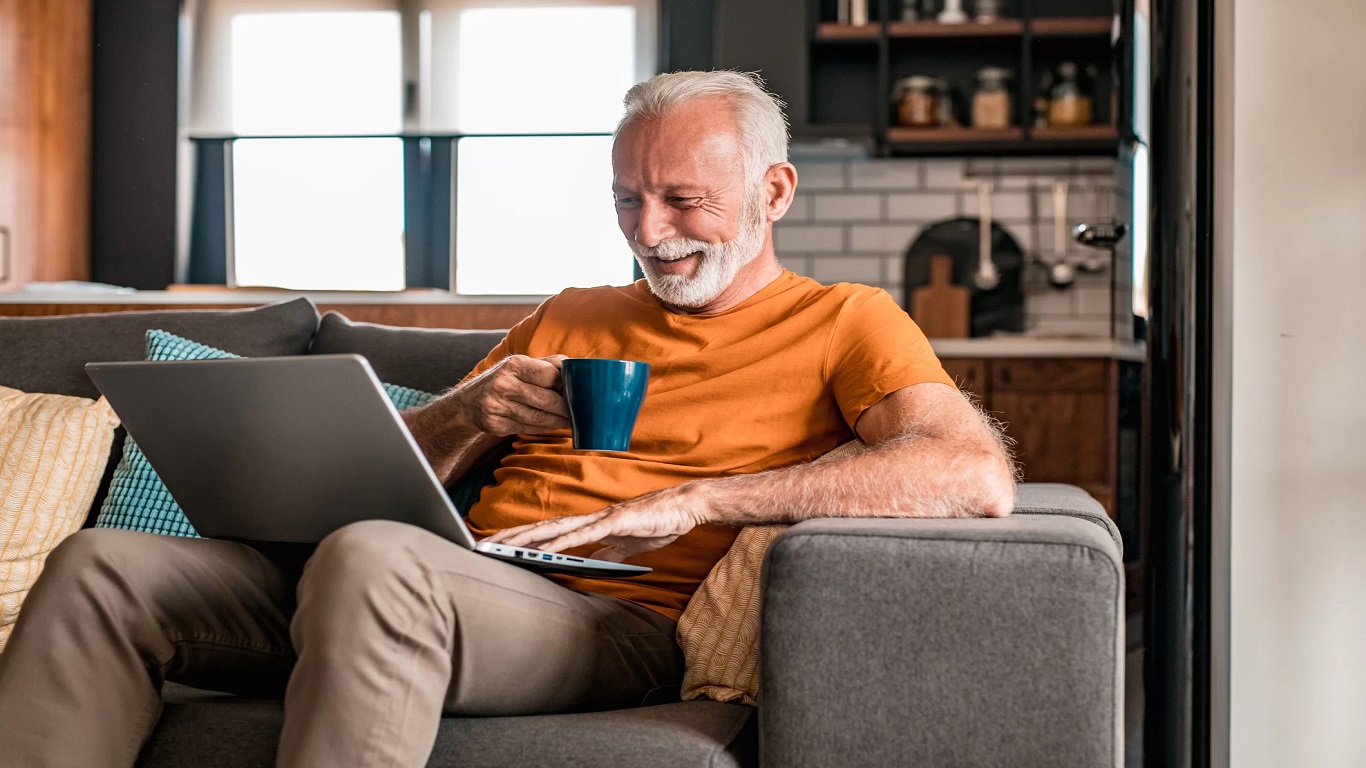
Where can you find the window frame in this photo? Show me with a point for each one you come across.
(207, 119)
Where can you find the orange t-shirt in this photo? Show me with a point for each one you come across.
(778, 380)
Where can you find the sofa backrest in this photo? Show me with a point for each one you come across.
(48, 354)
(422, 358)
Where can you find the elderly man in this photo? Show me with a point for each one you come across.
(756, 371)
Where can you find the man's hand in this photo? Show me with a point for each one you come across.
(518, 396)
(628, 529)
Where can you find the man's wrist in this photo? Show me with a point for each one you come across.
(703, 500)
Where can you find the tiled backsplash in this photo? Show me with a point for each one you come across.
(853, 220)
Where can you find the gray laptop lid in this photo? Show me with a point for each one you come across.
(278, 448)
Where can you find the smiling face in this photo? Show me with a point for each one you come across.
(696, 229)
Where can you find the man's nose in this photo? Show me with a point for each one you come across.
(655, 224)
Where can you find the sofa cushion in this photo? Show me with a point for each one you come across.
(211, 730)
(48, 354)
(52, 453)
(137, 499)
(719, 630)
(428, 359)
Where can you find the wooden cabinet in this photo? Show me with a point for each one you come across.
(1073, 420)
(45, 100)
(1061, 414)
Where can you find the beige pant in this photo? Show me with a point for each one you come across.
(393, 626)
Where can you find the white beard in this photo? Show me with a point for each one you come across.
(717, 263)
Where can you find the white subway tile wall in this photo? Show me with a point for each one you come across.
(852, 221)
(841, 207)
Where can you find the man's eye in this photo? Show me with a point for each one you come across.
(687, 202)
(626, 202)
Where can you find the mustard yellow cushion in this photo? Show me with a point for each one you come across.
(719, 630)
(53, 450)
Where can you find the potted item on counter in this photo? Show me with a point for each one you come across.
(991, 106)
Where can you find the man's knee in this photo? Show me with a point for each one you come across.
(108, 571)
(100, 554)
(365, 556)
(366, 571)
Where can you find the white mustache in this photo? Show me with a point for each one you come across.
(672, 250)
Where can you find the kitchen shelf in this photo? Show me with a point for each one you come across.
(901, 135)
(1075, 133)
(968, 29)
(1101, 139)
(1082, 26)
(830, 32)
(851, 72)
(954, 141)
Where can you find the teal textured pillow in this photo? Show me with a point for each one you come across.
(137, 499)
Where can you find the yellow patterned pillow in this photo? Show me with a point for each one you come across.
(53, 450)
(719, 630)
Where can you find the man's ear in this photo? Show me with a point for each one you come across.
(780, 183)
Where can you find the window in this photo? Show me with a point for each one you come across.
(535, 215)
(332, 113)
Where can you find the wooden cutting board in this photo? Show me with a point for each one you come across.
(941, 309)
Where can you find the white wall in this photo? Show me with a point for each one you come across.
(1298, 387)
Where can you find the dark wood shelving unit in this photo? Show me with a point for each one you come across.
(1075, 133)
(902, 135)
(969, 29)
(1082, 26)
(852, 70)
(830, 32)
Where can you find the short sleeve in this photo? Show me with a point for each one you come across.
(516, 342)
(876, 349)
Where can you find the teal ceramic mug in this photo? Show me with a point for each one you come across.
(604, 399)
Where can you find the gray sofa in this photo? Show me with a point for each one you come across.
(885, 642)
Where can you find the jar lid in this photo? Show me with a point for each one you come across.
(994, 73)
(1067, 69)
(916, 82)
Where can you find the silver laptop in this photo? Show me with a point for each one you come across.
(291, 449)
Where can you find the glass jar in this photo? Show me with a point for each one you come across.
(987, 11)
(1069, 103)
(917, 103)
(991, 104)
(943, 94)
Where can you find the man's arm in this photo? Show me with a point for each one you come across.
(518, 395)
(931, 454)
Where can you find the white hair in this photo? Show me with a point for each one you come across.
(758, 113)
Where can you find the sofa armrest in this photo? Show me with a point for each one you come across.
(984, 642)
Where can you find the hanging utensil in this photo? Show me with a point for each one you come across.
(1100, 236)
(986, 277)
(1062, 273)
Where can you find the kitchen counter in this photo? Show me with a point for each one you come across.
(1032, 346)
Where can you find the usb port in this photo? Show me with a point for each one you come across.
(545, 557)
